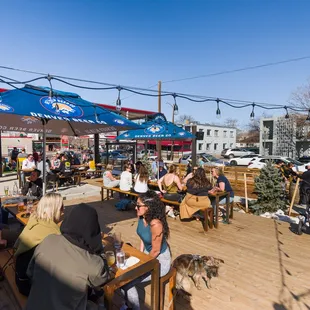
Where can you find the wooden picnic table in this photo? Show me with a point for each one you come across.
(145, 265)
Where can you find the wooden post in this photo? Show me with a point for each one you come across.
(246, 194)
(293, 198)
(158, 143)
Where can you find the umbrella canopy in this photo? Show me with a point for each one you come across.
(157, 129)
(62, 113)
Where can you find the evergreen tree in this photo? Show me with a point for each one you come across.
(269, 186)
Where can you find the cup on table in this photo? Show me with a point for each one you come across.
(120, 258)
(21, 206)
(6, 190)
(110, 258)
(117, 236)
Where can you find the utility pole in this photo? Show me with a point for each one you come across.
(194, 148)
(158, 144)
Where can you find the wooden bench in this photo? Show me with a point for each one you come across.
(208, 212)
(9, 274)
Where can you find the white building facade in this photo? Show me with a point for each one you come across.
(215, 138)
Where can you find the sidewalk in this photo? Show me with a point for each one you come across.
(71, 192)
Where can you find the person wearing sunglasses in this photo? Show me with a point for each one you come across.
(153, 231)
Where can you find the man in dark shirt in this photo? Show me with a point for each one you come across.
(305, 186)
(34, 183)
(65, 167)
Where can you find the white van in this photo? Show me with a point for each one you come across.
(141, 153)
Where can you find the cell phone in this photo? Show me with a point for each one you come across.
(25, 215)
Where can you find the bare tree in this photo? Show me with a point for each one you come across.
(301, 96)
(184, 118)
(231, 122)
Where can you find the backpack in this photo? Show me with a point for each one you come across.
(123, 205)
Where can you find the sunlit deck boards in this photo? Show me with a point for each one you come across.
(266, 265)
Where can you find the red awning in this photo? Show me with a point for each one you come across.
(169, 142)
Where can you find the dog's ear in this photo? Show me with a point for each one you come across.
(209, 260)
(217, 261)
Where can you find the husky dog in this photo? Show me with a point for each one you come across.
(195, 267)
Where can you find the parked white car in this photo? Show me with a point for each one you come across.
(236, 152)
(260, 162)
(243, 160)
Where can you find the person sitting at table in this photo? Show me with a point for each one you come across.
(222, 184)
(42, 222)
(65, 170)
(34, 184)
(196, 197)
(170, 184)
(27, 166)
(153, 231)
(138, 164)
(162, 170)
(126, 179)
(141, 180)
(189, 175)
(65, 266)
(108, 179)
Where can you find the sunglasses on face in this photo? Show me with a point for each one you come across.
(138, 206)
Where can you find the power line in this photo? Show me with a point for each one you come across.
(239, 70)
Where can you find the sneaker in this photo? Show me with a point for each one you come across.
(171, 214)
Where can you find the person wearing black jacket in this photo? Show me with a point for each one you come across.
(305, 186)
(34, 183)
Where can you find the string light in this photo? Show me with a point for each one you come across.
(118, 100)
(218, 111)
(175, 106)
(252, 115)
(286, 115)
(308, 117)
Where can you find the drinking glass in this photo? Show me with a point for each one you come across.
(110, 258)
(120, 258)
(20, 206)
(6, 190)
(117, 236)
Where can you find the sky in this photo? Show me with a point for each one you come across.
(140, 42)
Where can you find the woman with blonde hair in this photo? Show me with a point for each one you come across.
(108, 179)
(141, 180)
(43, 222)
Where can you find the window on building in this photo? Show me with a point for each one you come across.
(208, 132)
(187, 128)
(231, 134)
(200, 130)
(224, 146)
(216, 133)
(231, 145)
(200, 146)
(215, 146)
(225, 133)
(208, 146)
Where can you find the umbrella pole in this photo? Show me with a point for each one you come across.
(44, 157)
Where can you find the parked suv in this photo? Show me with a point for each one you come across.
(230, 153)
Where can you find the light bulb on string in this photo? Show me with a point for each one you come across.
(307, 119)
(118, 100)
(218, 111)
(286, 115)
(252, 115)
(175, 106)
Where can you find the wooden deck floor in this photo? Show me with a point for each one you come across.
(266, 265)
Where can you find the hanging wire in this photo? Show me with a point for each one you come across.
(118, 100)
(286, 115)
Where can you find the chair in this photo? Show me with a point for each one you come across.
(171, 277)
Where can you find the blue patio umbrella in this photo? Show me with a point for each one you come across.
(157, 129)
(43, 110)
